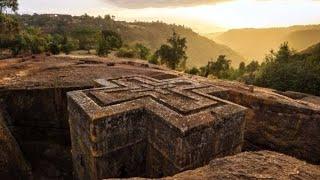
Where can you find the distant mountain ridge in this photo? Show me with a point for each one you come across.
(153, 35)
(256, 43)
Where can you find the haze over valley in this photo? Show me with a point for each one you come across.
(255, 44)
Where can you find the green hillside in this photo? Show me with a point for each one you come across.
(200, 49)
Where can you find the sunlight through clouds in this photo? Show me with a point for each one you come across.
(202, 18)
(160, 3)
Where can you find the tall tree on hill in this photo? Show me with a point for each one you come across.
(173, 53)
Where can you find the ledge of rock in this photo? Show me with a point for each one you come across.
(254, 165)
(12, 162)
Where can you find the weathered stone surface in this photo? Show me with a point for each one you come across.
(56, 72)
(34, 94)
(33, 91)
(140, 126)
(276, 122)
(254, 165)
(12, 163)
(301, 96)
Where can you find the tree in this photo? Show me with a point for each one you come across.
(54, 43)
(32, 40)
(284, 53)
(19, 45)
(173, 53)
(9, 26)
(86, 37)
(142, 51)
(286, 70)
(112, 38)
(242, 68)
(68, 45)
(220, 67)
(103, 48)
(252, 66)
(108, 40)
(35, 40)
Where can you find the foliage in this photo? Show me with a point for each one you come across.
(126, 52)
(9, 29)
(54, 43)
(86, 37)
(253, 66)
(68, 45)
(103, 47)
(242, 68)
(173, 53)
(154, 59)
(108, 41)
(222, 69)
(8, 4)
(112, 38)
(151, 34)
(36, 40)
(286, 70)
(142, 51)
(193, 71)
(219, 68)
(29, 41)
(19, 44)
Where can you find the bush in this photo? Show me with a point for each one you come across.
(193, 71)
(54, 47)
(142, 51)
(126, 52)
(68, 45)
(154, 59)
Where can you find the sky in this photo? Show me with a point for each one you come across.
(203, 16)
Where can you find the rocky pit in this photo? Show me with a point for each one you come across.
(95, 118)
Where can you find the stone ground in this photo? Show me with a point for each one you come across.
(43, 71)
(254, 165)
(34, 93)
(286, 122)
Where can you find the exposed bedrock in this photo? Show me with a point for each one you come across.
(12, 162)
(33, 92)
(38, 119)
(254, 165)
(149, 127)
(279, 123)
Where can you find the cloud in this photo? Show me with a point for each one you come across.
(136, 4)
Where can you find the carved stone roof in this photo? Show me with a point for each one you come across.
(182, 103)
